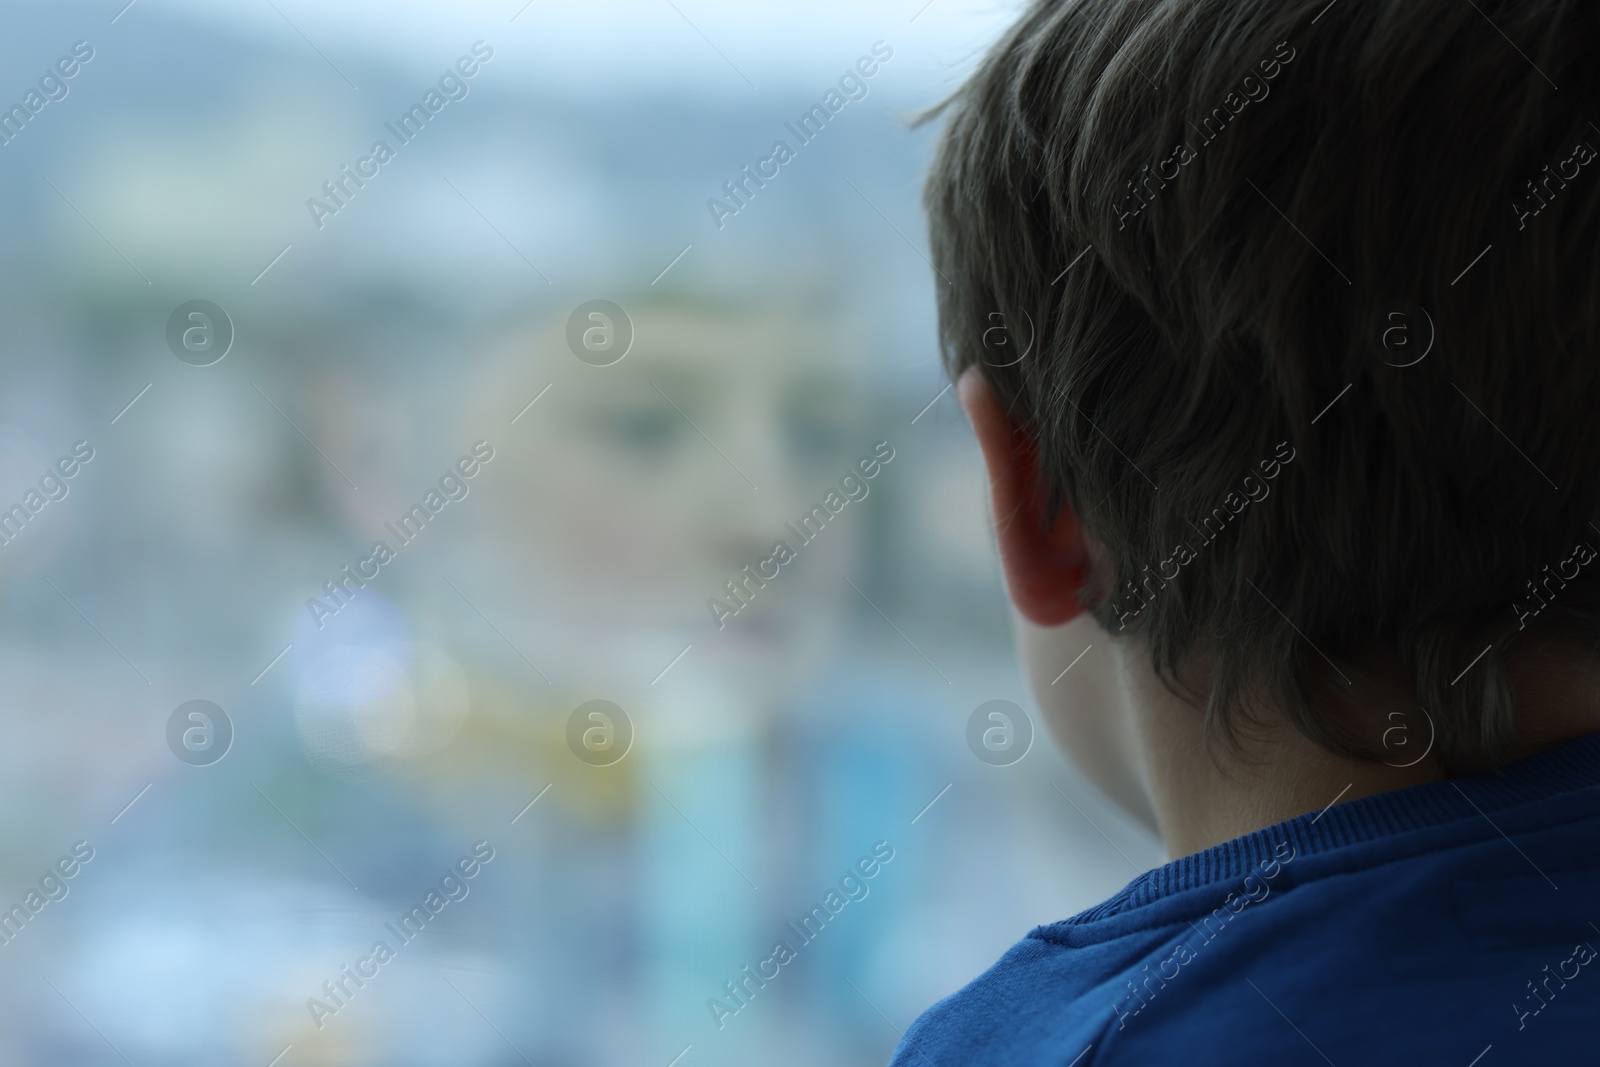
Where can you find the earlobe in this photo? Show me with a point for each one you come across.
(1045, 556)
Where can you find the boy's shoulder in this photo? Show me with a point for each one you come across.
(1423, 925)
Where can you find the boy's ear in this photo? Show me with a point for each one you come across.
(1045, 556)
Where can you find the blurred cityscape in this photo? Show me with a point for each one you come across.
(556, 531)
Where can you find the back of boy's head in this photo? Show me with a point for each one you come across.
(1357, 180)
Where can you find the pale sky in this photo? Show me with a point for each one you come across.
(631, 46)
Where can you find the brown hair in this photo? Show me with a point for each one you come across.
(1228, 229)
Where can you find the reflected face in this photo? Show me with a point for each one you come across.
(634, 493)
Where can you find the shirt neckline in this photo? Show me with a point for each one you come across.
(1563, 768)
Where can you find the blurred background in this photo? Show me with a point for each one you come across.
(363, 346)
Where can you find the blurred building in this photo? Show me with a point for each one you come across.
(375, 745)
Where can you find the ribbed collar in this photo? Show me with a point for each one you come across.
(1564, 768)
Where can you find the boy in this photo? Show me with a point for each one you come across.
(1308, 431)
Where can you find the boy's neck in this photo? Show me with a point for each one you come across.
(1205, 797)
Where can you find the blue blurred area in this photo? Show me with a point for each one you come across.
(377, 744)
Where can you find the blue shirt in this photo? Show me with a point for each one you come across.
(1430, 925)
